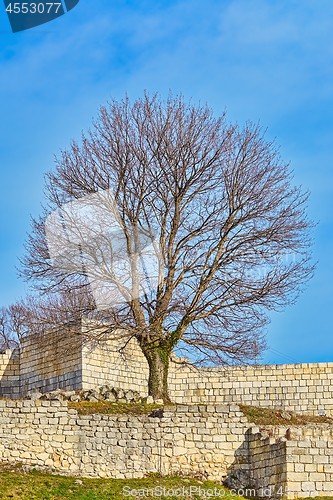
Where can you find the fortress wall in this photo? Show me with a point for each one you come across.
(268, 466)
(303, 388)
(210, 442)
(106, 364)
(291, 462)
(10, 373)
(58, 360)
(201, 441)
(51, 361)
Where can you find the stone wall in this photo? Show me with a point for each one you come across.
(201, 441)
(268, 466)
(51, 361)
(107, 364)
(58, 360)
(10, 373)
(304, 388)
(213, 442)
(292, 461)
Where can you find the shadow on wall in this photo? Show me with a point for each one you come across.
(10, 386)
(51, 361)
(59, 359)
(284, 462)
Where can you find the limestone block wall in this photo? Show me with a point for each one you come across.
(51, 361)
(37, 432)
(58, 359)
(268, 465)
(304, 388)
(201, 441)
(10, 373)
(292, 461)
(106, 363)
(208, 441)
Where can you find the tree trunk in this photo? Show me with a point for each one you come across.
(158, 362)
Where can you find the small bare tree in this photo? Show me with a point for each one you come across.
(14, 325)
(5, 334)
(216, 200)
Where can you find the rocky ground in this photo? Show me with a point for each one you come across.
(103, 393)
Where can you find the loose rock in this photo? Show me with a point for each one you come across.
(75, 398)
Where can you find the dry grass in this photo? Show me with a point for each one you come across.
(266, 416)
(106, 407)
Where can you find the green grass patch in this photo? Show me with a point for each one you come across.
(41, 486)
(35, 485)
(106, 407)
(266, 416)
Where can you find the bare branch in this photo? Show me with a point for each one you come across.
(217, 203)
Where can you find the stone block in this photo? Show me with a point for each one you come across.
(298, 476)
(316, 476)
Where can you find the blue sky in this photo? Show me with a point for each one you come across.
(263, 60)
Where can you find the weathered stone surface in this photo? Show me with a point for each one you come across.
(53, 360)
(214, 428)
(68, 394)
(109, 396)
(119, 446)
(34, 395)
(75, 398)
(92, 397)
(85, 444)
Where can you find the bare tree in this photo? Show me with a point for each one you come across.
(14, 325)
(218, 202)
(5, 334)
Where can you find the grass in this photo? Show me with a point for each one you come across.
(36, 485)
(14, 484)
(255, 414)
(266, 416)
(41, 486)
(106, 407)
